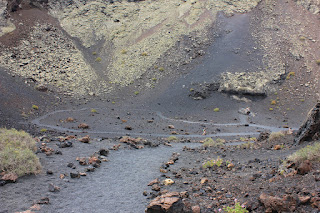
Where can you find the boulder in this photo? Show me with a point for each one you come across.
(277, 204)
(167, 203)
(310, 129)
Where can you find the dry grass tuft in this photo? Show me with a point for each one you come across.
(17, 153)
(310, 152)
(276, 136)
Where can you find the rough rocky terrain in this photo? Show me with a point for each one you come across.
(168, 76)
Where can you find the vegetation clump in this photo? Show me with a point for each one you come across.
(318, 61)
(310, 152)
(237, 208)
(172, 138)
(276, 136)
(94, 111)
(35, 107)
(17, 153)
(216, 109)
(290, 74)
(99, 59)
(209, 142)
(273, 102)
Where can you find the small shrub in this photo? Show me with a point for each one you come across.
(270, 109)
(136, 92)
(113, 102)
(191, 89)
(310, 152)
(123, 51)
(98, 59)
(290, 74)
(302, 100)
(237, 208)
(247, 145)
(17, 153)
(154, 79)
(302, 38)
(43, 130)
(35, 107)
(275, 136)
(318, 61)
(216, 109)
(273, 102)
(144, 54)
(209, 164)
(161, 69)
(209, 142)
(94, 53)
(156, 66)
(172, 138)
(94, 111)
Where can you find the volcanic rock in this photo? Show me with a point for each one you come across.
(167, 203)
(277, 204)
(310, 129)
(83, 126)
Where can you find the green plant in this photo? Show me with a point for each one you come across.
(302, 100)
(94, 111)
(144, 54)
(209, 164)
(273, 102)
(35, 107)
(275, 136)
(191, 89)
(270, 109)
(17, 153)
(161, 69)
(136, 92)
(154, 79)
(247, 145)
(310, 152)
(318, 61)
(94, 53)
(113, 102)
(237, 208)
(302, 38)
(98, 59)
(123, 51)
(43, 130)
(290, 74)
(216, 109)
(209, 142)
(172, 138)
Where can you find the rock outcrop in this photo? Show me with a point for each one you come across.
(310, 130)
(167, 203)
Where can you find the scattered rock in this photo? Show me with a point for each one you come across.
(170, 126)
(156, 188)
(195, 209)
(35, 207)
(168, 182)
(49, 172)
(64, 144)
(277, 147)
(43, 200)
(83, 126)
(53, 188)
(104, 152)
(304, 199)
(70, 119)
(85, 139)
(204, 180)
(310, 128)
(41, 88)
(167, 203)
(90, 169)
(74, 175)
(304, 167)
(71, 165)
(128, 128)
(82, 174)
(94, 159)
(155, 181)
(82, 161)
(9, 178)
(277, 204)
